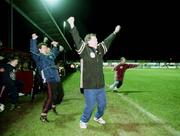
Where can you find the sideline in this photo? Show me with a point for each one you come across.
(171, 130)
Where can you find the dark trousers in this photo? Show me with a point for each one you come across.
(12, 90)
(55, 94)
(119, 84)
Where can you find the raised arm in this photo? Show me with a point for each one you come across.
(111, 37)
(33, 44)
(117, 29)
(33, 47)
(55, 50)
(107, 42)
(79, 43)
(71, 20)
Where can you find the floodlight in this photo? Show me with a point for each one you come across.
(52, 2)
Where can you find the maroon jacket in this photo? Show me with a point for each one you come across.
(121, 69)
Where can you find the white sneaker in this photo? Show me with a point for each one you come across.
(115, 89)
(20, 94)
(2, 107)
(100, 121)
(111, 87)
(83, 125)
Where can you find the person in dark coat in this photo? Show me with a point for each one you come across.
(45, 61)
(92, 78)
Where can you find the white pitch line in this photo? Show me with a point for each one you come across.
(122, 132)
(171, 130)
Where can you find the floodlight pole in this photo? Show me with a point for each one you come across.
(64, 31)
(11, 27)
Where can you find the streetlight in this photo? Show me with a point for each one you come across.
(64, 31)
(64, 27)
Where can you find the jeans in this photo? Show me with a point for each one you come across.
(93, 97)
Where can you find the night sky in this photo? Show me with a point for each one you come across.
(150, 30)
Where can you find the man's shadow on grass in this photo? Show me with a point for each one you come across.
(127, 92)
(118, 128)
(63, 120)
(70, 100)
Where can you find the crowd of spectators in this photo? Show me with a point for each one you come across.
(23, 78)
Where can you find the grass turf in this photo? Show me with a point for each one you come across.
(156, 90)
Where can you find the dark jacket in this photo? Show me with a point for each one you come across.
(92, 76)
(9, 74)
(45, 63)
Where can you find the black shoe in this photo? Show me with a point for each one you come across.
(43, 118)
(55, 111)
(14, 107)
